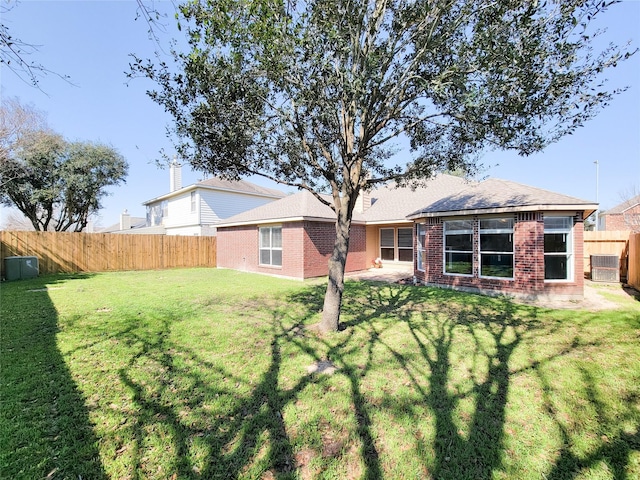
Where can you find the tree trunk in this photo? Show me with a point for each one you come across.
(335, 287)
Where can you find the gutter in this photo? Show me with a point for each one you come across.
(588, 209)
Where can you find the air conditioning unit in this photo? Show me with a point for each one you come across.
(20, 268)
(605, 268)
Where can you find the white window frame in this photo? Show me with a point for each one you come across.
(398, 247)
(393, 246)
(396, 244)
(270, 248)
(489, 231)
(193, 202)
(421, 231)
(566, 230)
(445, 251)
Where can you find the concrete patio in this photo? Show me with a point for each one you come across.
(388, 273)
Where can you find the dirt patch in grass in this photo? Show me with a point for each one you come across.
(597, 297)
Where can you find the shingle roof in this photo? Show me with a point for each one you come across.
(444, 194)
(495, 195)
(239, 186)
(136, 222)
(389, 204)
(626, 205)
(301, 205)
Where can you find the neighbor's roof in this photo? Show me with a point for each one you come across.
(502, 196)
(136, 222)
(215, 183)
(624, 206)
(388, 205)
(239, 186)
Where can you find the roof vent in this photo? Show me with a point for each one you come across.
(605, 268)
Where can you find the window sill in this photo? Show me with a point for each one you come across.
(274, 267)
(506, 279)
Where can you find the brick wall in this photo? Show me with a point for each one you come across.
(318, 245)
(306, 248)
(629, 220)
(528, 246)
(357, 259)
(528, 261)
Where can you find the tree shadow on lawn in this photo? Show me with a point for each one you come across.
(196, 413)
(245, 438)
(476, 454)
(45, 426)
(436, 320)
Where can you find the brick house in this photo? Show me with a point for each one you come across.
(503, 237)
(493, 237)
(293, 237)
(625, 216)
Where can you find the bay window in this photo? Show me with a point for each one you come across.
(558, 248)
(458, 247)
(421, 244)
(496, 247)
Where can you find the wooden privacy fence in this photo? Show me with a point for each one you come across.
(606, 242)
(633, 277)
(59, 252)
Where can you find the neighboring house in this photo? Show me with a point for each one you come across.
(197, 208)
(625, 216)
(503, 237)
(495, 236)
(132, 226)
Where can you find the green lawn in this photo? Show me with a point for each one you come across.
(204, 374)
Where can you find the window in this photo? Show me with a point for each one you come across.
(558, 248)
(421, 244)
(496, 247)
(405, 244)
(156, 213)
(271, 246)
(387, 244)
(193, 202)
(458, 247)
(400, 239)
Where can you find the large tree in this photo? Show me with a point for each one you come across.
(16, 121)
(57, 185)
(319, 94)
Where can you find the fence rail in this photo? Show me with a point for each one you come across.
(59, 252)
(606, 242)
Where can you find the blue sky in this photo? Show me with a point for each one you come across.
(90, 41)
